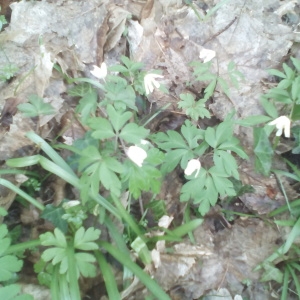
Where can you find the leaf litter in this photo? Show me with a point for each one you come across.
(165, 35)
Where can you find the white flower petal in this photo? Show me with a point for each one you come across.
(137, 155)
(192, 166)
(282, 123)
(101, 72)
(165, 221)
(207, 55)
(150, 82)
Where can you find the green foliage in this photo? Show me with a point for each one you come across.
(192, 108)
(88, 103)
(8, 71)
(202, 73)
(263, 151)
(288, 89)
(54, 215)
(211, 183)
(2, 21)
(59, 254)
(36, 107)
(9, 264)
(12, 292)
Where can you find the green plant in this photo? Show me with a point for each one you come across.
(281, 103)
(10, 264)
(119, 158)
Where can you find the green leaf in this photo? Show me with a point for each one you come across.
(9, 264)
(172, 159)
(263, 151)
(57, 239)
(36, 107)
(11, 292)
(280, 95)
(192, 134)
(118, 118)
(271, 273)
(288, 71)
(54, 215)
(80, 90)
(210, 137)
(102, 128)
(119, 94)
(194, 187)
(296, 63)
(109, 179)
(269, 108)
(84, 240)
(147, 178)
(84, 264)
(87, 105)
(224, 132)
(170, 140)
(227, 162)
(253, 120)
(296, 112)
(194, 109)
(132, 133)
(276, 73)
(295, 89)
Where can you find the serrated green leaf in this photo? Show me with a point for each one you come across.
(253, 120)
(224, 132)
(83, 240)
(271, 273)
(36, 107)
(117, 118)
(172, 159)
(279, 95)
(56, 239)
(54, 215)
(192, 134)
(269, 107)
(224, 86)
(193, 188)
(288, 71)
(170, 140)
(84, 264)
(295, 88)
(285, 84)
(276, 73)
(263, 151)
(296, 63)
(227, 162)
(209, 90)
(109, 179)
(210, 137)
(9, 264)
(102, 128)
(10, 292)
(87, 105)
(3, 231)
(119, 94)
(81, 89)
(132, 133)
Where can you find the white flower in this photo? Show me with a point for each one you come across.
(150, 82)
(207, 55)
(101, 72)
(282, 123)
(70, 204)
(136, 154)
(192, 166)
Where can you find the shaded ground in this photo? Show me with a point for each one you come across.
(166, 36)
